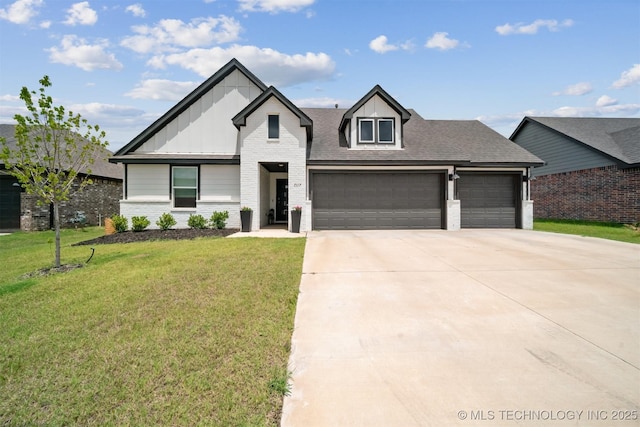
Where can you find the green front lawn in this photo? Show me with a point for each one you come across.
(192, 332)
(603, 230)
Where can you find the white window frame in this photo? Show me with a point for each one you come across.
(269, 127)
(393, 131)
(373, 131)
(174, 187)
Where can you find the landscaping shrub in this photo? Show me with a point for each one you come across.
(219, 219)
(166, 221)
(120, 223)
(139, 223)
(197, 222)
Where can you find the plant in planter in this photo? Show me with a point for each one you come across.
(296, 215)
(245, 218)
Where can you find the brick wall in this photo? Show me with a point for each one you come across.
(601, 194)
(97, 201)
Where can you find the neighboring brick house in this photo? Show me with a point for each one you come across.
(591, 170)
(235, 142)
(18, 210)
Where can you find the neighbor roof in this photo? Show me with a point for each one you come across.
(459, 142)
(100, 168)
(187, 101)
(615, 137)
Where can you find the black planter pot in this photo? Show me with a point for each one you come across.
(295, 221)
(245, 220)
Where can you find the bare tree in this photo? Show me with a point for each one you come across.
(54, 151)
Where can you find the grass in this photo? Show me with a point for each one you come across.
(190, 332)
(603, 230)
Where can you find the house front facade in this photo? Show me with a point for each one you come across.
(234, 142)
(591, 170)
(22, 211)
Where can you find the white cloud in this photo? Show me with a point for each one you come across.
(9, 98)
(21, 11)
(158, 89)
(269, 65)
(628, 77)
(81, 13)
(75, 51)
(97, 110)
(605, 101)
(45, 24)
(136, 9)
(577, 89)
(442, 42)
(274, 6)
(170, 34)
(520, 28)
(381, 45)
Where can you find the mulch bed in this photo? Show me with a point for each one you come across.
(146, 235)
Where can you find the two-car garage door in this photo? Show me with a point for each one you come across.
(377, 200)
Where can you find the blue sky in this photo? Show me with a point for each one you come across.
(122, 64)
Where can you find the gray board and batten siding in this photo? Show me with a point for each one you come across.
(567, 156)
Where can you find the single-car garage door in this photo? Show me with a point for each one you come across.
(488, 200)
(377, 200)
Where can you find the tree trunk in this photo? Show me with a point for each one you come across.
(56, 225)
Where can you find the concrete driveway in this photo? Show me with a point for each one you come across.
(475, 327)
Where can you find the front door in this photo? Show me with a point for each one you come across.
(282, 199)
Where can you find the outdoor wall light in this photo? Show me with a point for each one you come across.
(453, 176)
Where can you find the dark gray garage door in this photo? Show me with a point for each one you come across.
(488, 200)
(380, 200)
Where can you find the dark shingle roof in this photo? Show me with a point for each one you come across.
(425, 142)
(616, 137)
(100, 168)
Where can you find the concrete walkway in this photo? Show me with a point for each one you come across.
(476, 327)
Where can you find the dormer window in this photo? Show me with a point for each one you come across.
(366, 131)
(376, 131)
(274, 126)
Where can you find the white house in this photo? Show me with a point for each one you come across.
(234, 142)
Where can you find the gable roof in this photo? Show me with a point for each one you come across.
(188, 100)
(240, 119)
(100, 167)
(618, 138)
(377, 90)
(426, 142)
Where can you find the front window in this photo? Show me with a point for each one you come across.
(185, 186)
(366, 130)
(274, 126)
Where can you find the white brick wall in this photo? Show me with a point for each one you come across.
(255, 148)
(153, 210)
